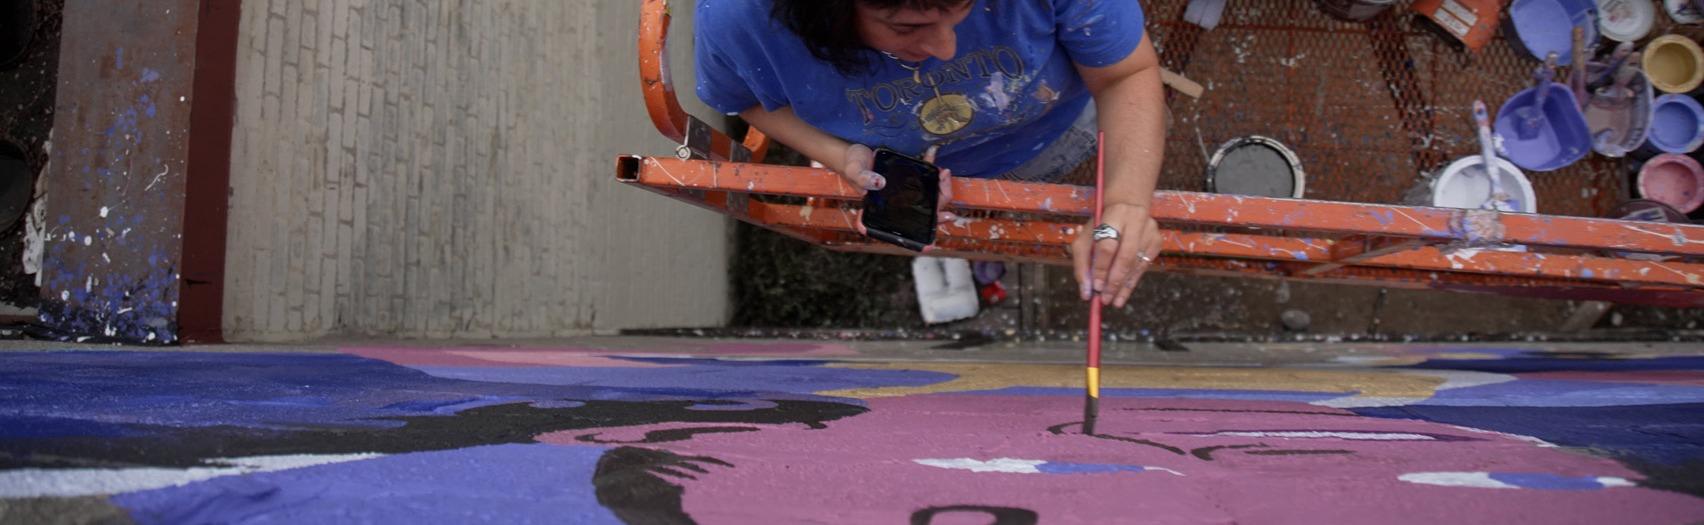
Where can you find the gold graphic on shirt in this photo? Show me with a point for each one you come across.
(946, 114)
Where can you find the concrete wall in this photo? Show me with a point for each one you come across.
(436, 168)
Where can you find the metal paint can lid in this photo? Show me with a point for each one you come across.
(1649, 211)
(1256, 166)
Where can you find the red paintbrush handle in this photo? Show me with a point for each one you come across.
(1095, 302)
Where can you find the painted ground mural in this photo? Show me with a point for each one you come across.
(804, 433)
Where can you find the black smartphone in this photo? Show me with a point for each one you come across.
(903, 212)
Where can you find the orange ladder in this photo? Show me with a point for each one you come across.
(1203, 233)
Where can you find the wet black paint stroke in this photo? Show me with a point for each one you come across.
(1206, 453)
(1001, 515)
(665, 436)
(1300, 452)
(1059, 430)
(628, 481)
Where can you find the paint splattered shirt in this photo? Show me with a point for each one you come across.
(1010, 90)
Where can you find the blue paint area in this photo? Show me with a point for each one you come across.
(1566, 393)
(1541, 481)
(194, 389)
(1659, 434)
(1538, 362)
(1171, 393)
(703, 378)
(1086, 468)
(507, 483)
(149, 75)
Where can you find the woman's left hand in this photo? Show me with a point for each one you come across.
(1112, 267)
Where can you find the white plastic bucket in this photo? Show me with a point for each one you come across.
(1463, 184)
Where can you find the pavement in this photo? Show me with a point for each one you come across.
(682, 430)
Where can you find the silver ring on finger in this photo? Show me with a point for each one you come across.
(1105, 232)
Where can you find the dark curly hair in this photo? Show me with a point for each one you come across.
(829, 27)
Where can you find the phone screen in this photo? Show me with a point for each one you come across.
(905, 208)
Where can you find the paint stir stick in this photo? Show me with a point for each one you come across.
(1091, 394)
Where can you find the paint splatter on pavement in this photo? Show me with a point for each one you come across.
(791, 432)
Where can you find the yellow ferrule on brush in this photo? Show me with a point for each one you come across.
(1094, 382)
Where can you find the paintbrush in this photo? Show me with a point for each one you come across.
(1091, 392)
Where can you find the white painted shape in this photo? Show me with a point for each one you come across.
(1366, 401)
(65, 483)
(1005, 465)
(1479, 480)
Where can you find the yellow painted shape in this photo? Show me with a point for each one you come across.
(1465, 356)
(1094, 382)
(993, 376)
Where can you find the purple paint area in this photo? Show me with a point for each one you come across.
(504, 483)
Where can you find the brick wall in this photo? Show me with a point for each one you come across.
(435, 168)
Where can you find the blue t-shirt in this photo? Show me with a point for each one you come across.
(1012, 78)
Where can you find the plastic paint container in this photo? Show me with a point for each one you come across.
(1626, 20)
(1355, 10)
(1649, 211)
(1677, 126)
(1463, 184)
(1562, 138)
(1627, 126)
(1683, 11)
(1541, 27)
(1256, 166)
(1675, 180)
(1674, 64)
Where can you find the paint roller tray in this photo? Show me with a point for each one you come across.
(1562, 137)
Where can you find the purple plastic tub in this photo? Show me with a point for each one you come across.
(1562, 137)
(1677, 125)
(1539, 27)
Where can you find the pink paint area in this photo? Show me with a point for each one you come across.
(588, 357)
(1675, 180)
(782, 349)
(1153, 461)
